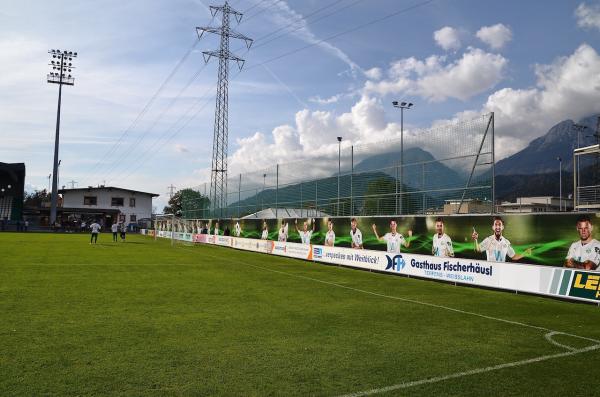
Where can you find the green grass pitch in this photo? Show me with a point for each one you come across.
(143, 318)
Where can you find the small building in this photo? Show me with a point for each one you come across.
(107, 204)
(467, 206)
(274, 213)
(537, 204)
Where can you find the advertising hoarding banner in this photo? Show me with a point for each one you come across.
(543, 280)
(248, 244)
(292, 250)
(200, 238)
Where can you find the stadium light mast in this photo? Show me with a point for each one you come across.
(62, 65)
(218, 182)
(339, 138)
(401, 106)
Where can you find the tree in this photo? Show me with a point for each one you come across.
(188, 203)
(35, 199)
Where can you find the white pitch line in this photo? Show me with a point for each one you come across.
(469, 373)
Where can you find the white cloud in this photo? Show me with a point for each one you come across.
(181, 148)
(495, 36)
(448, 38)
(374, 73)
(301, 30)
(568, 88)
(325, 101)
(475, 72)
(588, 16)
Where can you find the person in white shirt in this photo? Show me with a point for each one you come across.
(496, 246)
(216, 231)
(330, 235)
(114, 228)
(237, 229)
(441, 243)
(305, 234)
(283, 232)
(95, 230)
(355, 234)
(265, 232)
(393, 239)
(585, 253)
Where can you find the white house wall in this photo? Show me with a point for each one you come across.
(142, 209)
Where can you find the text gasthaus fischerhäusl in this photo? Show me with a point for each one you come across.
(447, 266)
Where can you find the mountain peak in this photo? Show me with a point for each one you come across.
(540, 156)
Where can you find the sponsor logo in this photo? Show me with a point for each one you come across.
(396, 263)
(317, 252)
(279, 247)
(585, 285)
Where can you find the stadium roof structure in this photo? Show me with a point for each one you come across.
(109, 188)
(273, 213)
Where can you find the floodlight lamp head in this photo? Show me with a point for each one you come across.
(339, 138)
(410, 105)
(395, 103)
(403, 104)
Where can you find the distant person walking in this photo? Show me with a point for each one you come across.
(95, 230)
(123, 231)
(114, 228)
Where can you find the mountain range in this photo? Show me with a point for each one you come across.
(540, 156)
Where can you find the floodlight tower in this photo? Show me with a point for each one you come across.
(62, 65)
(218, 180)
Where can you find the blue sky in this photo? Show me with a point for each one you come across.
(533, 63)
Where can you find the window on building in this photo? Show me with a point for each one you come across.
(132, 218)
(132, 201)
(90, 200)
(116, 201)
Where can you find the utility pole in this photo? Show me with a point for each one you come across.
(171, 191)
(72, 183)
(218, 182)
(62, 65)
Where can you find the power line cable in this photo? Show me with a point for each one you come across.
(364, 25)
(144, 110)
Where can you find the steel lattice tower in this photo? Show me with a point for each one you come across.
(218, 181)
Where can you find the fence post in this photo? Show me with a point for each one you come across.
(316, 198)
(423, 185)
(301, 202)
(493, 169)
(239, 194)
(277, 193)
(351, 180)
(396, 195)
